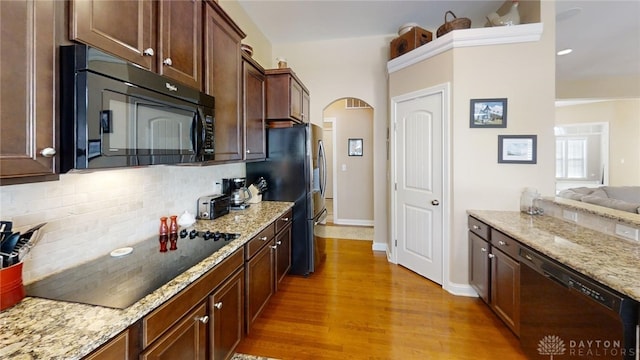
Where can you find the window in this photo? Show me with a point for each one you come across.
(571, 157)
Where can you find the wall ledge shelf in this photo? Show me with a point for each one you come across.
(466, 38)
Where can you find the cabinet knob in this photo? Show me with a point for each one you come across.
(502, 243)
(168, 62)
(491, 256)
(218, 305)
(248, 151)
(48, 152)
(148, 52)
(264, 238)
(278, 242)
(483, 249)
(285, 219)
(476, 227)
(273, 247)
(204, 319)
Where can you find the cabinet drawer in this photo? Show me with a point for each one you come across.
(505, 243)
(115, 349)
(284, 220)
(479, 228)
(254, 245)
(169, 313)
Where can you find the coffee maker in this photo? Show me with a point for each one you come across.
(238, 193)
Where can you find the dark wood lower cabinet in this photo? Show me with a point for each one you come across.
(226, 309)
(505, 289)
(185, 340)
(116, 349)
(283, 253)
(260, 281)
(479, 271)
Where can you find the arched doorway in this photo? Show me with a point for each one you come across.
(348, 137)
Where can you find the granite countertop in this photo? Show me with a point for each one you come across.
(610, 260)
(46, 329)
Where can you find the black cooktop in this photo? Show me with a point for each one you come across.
(120, 281)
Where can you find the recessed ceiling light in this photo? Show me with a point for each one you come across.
(564, 52)
(564, 15)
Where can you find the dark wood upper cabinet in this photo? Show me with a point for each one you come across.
(169, 43)
(27, 107)
(253, 109)
(123, 28)
(180, 46)
(287, 98)
(223, 69)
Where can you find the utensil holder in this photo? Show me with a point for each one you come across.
(11, 287)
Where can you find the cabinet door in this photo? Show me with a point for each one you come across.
(123, 28)
(479, 266)
(306, 107)
(180, 47)
(223, 63)
(295, 98)
(27, 54)
(115, 349)
(505, 289)
(260, 281)
(253, 97)
(185, 340)
(283, 254)
(226, 306)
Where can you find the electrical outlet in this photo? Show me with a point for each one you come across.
(570, 215)
(627, 232)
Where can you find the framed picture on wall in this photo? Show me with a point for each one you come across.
(517, 149)
(355, 147)
(488, 113)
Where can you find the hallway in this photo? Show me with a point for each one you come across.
(359, 306)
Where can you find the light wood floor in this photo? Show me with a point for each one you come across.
(359, 306)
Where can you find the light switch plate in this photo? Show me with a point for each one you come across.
(627, 232)
(570, 215)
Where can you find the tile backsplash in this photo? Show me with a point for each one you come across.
(90, 214)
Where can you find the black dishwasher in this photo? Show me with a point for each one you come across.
(565, 315)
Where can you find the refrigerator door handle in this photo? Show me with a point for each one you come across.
(320, 218)
(322, 163)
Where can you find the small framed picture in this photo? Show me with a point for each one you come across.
(355, 147)
(488, 113)
(517, 149)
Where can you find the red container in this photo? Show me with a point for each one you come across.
(11, 287)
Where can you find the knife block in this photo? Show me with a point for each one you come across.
(11, 287)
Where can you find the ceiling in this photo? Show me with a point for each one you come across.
(605, 35)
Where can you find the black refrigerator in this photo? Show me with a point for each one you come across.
(295, 170)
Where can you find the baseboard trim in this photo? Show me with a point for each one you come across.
(353, 222)
(379, 247)
(460, 289)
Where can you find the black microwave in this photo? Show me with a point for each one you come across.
(116, 114)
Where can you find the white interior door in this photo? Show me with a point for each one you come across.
(419, 185)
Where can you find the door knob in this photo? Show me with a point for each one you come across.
(435, 202)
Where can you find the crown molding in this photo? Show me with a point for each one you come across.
(465, 38)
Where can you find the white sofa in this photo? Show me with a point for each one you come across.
(625, 198)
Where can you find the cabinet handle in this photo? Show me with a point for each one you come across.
(168, 62)
(148, 52)
(491, 256)
(278, 242)
(218, 305)
(264, 238)
(483, 249)
(285, 219)
(476, 227)
(204, 319)
(273, 246)
(502, 243)
(48, 152)
(248, 151)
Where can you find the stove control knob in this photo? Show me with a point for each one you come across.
(183, 233)
(216, 236)
(207, 235)
(193, 234)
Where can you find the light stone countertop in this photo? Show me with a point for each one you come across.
(46, 329)
(609, 260)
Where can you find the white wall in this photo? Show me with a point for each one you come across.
(343, 68)
(90, 214)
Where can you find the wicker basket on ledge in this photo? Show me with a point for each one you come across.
(456, 23)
